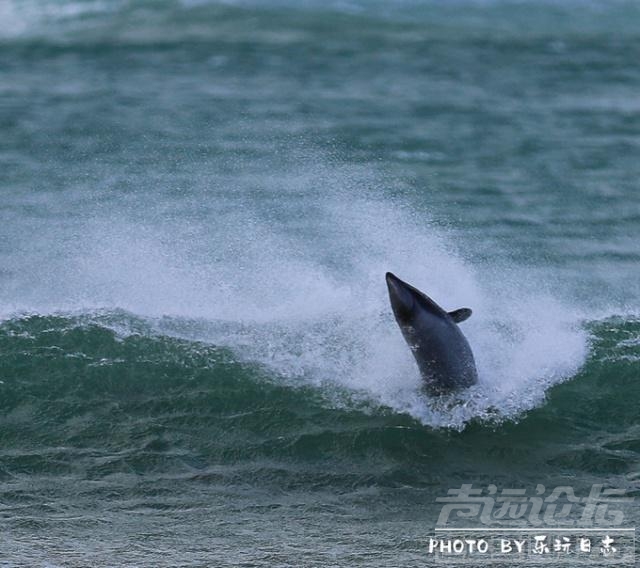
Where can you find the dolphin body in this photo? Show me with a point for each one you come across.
(441, 350)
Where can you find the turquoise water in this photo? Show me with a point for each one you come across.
(198, 362)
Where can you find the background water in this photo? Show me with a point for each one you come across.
(199, 201)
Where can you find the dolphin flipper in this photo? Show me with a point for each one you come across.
(460, 315)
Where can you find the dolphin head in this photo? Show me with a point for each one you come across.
(402, 297)
(407, 300)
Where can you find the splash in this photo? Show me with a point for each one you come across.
(288, 271)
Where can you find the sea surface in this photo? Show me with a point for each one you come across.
(198, 203)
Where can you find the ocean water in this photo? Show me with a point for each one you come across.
(198, 203)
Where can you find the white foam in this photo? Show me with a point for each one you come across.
(291, 275)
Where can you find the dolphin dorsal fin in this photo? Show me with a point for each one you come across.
(461, 314)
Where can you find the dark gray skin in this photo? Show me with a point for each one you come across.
(441, 350)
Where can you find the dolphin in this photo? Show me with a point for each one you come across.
(441, 350)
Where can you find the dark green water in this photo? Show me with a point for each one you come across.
(198, 203)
